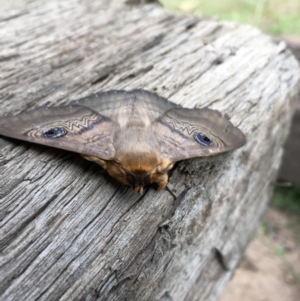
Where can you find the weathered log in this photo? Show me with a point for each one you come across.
(68, 230)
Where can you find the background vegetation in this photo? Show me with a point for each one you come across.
(281, 17)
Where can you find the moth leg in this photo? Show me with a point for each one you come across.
(138, 189)
(95, 159)
(161, 180)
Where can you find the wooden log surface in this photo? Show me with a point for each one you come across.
(68, 230)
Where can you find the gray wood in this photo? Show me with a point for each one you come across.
(68, 230)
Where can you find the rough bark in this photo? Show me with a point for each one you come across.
(68, 230)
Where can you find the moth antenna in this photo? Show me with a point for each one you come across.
(171, 192)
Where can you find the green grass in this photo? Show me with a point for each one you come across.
(281, 17)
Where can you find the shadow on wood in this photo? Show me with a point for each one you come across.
(290, 166)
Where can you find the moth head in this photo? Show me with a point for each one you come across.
(138, 180)
(134, 169)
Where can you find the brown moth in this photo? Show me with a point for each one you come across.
(137, 136)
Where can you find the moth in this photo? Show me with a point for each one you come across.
(137, 136)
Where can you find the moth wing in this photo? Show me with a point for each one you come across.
(124, 106)
(87, 125)
(188, 133)
(73, 128)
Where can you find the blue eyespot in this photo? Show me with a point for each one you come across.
(55, 133)
(203, 139)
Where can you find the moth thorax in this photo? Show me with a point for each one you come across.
(135, 123)
(139, 162)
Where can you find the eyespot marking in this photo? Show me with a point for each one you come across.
(55, 133)
(203, 139)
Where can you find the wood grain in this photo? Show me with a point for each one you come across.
(68, 230)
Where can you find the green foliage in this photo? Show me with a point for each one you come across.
(275, 16)
(287, 199)
(280, 250)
